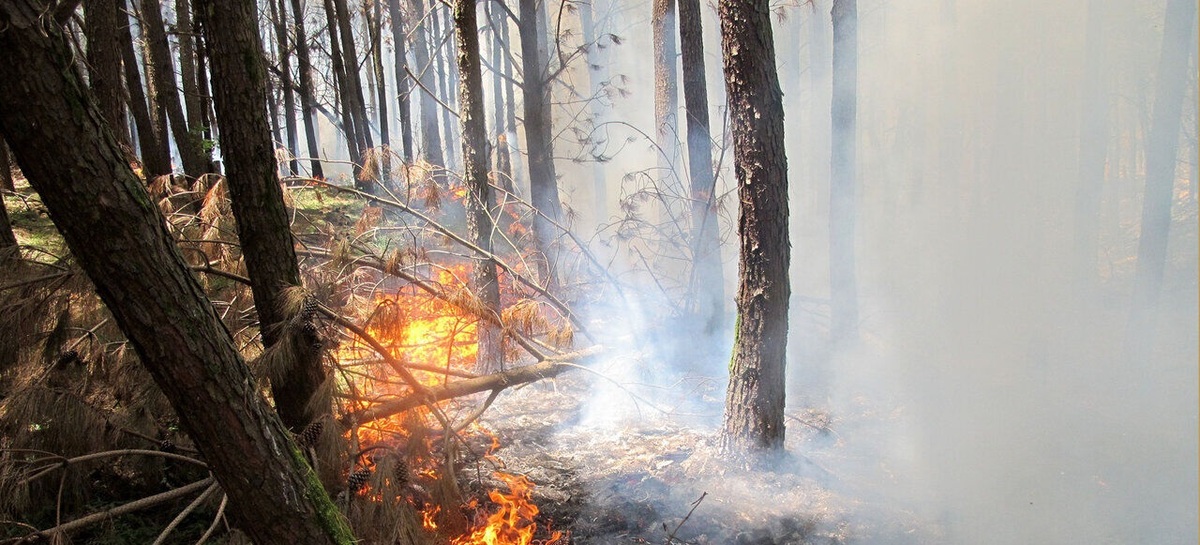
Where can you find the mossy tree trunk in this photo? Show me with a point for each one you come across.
(120, 239)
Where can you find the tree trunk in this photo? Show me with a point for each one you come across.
(1161, 152)
(187, 72)
(484, 281)
(278, 11)
(354, 87)
(8, 239)
(597, 61)
(337, 62)
(104, 62)
(666, 92)
(754, 403)
(384, 157)
(819, 65)
(6, 179)
(306, 90)
(708, 284)
(120, 239)
(257, 199)
(191, 151)
(543, 182)
(501, 88)
(403, 87)
(431, 143)
(843, 284)
(207, 117)
(443, 69)
(152, 139)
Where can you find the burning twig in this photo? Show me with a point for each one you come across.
(495, 381)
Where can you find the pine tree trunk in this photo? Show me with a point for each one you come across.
(6, 179)
(666, 92)
(8, 239)
(208, 119)
(543, 182)
(403, 86)
(187, 72)
(843, 284)
(444, 69)
(354, 98)
(484, 281)
(337, 63)
(104, 62)
(306, 90)
(120, 239)
(708, 283)
(278, 11)
(191, 151)
(431, 143)
(257, 199)
(156, 156)
(384, 157)
(754, 403)
(1162, 147)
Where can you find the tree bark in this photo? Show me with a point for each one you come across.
(1162, 148)
(6, 179)
(543, 182)
(191, 151)
(666, 91)
(278, 11)
(187, 72)
(403, 87)
(104, 62)
(306, 90)
(843, 283)
(152, 138)
(484, 281)
(431, 143)
(257, 199)
(354, 87)
(338, 65)
(754, 403)
(8, 239)
(708, 283)
(444, 68)
(120, 239)
(384, 158)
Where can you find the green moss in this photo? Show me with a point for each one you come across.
(327, 513)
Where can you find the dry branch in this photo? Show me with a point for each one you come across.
(494, 382)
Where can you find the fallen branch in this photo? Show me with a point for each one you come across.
(495, 382)
(124, 509)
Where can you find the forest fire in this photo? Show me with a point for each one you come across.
(513, 521)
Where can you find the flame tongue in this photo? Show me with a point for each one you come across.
(512, 522)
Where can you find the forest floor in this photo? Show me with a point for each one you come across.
(660, 478)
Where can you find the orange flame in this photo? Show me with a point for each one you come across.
(512, 522)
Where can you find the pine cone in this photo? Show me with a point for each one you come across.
(314, 335)
(311, 433)
(401, 471)
(166, 445)
(358, 479)
(67, 358)
(309, 310)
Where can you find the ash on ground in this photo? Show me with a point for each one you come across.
(661, 479)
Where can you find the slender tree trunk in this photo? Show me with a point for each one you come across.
(444, 67)
(403, 86)
(104, 62)
(337, 62)
(144, 281)
(187, 72)
(1093, 148)
(8, 239)
(597, 60)
(354, 85)
(431, 143)
(191, 151)
(207, 117)
(754, 403)
(306, 90)
(384, 157)
(1161, 153)
(278, 11)
(819, 118)
(156, 156)
(543, 182)
(484, 282)
(6, 179)
(708, 284)
(843, 284)
(257, 199)
(666, 91)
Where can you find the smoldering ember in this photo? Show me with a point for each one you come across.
(516, 272)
